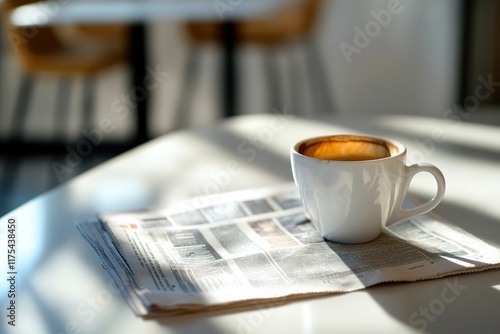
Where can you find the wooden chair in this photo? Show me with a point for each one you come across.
(66, 50)
(292, 24)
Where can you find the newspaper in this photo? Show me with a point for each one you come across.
(257, 246)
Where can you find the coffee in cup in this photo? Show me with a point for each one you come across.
(346, 148)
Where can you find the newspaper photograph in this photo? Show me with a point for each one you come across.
(236, 248)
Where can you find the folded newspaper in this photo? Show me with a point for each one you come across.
(257, 246)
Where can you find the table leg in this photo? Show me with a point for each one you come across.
(138, 55)
(229, 89)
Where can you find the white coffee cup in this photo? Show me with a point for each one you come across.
(353, 186)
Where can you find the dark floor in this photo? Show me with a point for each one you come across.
(25, 176)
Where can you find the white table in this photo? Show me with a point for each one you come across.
(127, 11)
(61, 287)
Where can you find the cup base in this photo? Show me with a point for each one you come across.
(350, 240)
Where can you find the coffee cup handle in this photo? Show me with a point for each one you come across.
(401, 214)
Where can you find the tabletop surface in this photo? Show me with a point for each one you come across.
(126, 11)
(62, 288)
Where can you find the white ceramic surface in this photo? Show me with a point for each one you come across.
(351, 201)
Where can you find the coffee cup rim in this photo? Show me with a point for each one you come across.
(401, 148)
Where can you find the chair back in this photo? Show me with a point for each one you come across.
(294, 21)
(70, 49)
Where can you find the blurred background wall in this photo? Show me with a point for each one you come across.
(411, 66)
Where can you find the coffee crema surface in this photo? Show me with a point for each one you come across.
(347, 148)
